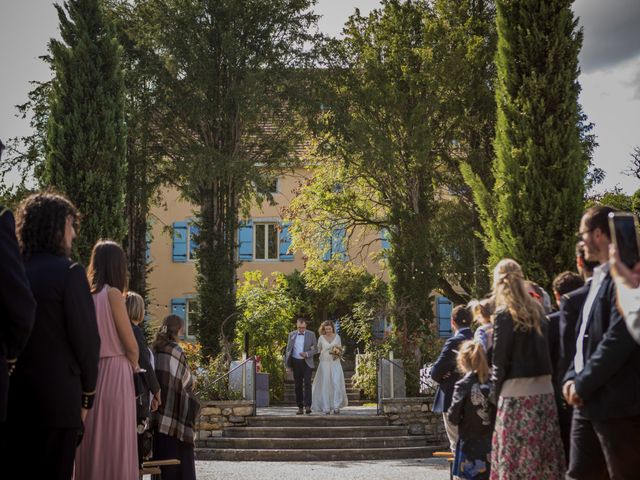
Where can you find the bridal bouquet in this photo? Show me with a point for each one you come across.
(337, 352)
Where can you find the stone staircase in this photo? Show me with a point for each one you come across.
(289, 398)
(315, 438)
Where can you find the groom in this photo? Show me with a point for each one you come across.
(298, 357)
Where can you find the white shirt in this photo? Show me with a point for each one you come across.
(298, 345)
(599, 274)
(629, 302)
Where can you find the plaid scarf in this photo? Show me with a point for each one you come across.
(177, 415)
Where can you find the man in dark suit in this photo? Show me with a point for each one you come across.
(603, 381)
(17, 306)
(445, 370)
(54, 381)
(563, 284)
(301, 347)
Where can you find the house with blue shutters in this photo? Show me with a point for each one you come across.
(264, 244)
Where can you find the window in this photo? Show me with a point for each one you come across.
(189, 321)
(184, 242)
(266, 241)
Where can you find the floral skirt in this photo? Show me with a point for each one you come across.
(526, 441)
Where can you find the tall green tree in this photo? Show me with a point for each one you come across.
(397, 92)
(531, 211)
(146, 163)
(230, 82)
(86, 141)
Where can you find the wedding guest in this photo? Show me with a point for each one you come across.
(174, 421)
(628, 292)
(109, 449)
(482, 311)
(54, 380)
(445, 372)
(473, 413)
(603, 383)
(526, 441)
(563, 284)
(148, 398)
(16, 304)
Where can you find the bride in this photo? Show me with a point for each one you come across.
(328, 391)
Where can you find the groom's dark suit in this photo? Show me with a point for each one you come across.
(302, 367)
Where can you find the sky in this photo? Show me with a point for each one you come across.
(610, 65)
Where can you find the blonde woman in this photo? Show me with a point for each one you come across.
(473, 413)
(526, 440)
(328, 391)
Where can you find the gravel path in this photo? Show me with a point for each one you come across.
(428, 469)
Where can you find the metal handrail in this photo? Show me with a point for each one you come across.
(232, 370)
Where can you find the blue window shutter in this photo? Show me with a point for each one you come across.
(179, 307)
(384, 239)
(245, 241)
(194, 231)
(444, 306)
(285, 243)
(180, 242)
(339, 243)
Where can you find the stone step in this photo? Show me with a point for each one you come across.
(306, 432)
(310, 421)
(290, 388)
(316, 443)
(292, 403)
(307, 455)
(291, 397)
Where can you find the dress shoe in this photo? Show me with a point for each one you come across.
(336, 411)
(299, 412)
(308, 411)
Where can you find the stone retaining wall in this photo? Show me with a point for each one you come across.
(217, 415)
(417, 415)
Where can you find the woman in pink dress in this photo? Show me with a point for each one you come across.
(109, 448)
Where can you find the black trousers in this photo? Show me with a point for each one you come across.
(604, 449)
(302, 375)
(167, 447)
(38, 452)
(565, 415)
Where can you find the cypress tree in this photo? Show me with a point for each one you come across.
(532, 211)
(86, 142)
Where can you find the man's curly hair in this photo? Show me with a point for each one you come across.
(40, 223)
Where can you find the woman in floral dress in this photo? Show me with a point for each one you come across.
(526, 441)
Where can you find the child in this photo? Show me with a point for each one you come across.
(482, 311)
(147, 381)
(473, 413)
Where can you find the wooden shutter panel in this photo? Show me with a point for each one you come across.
(285, 243)
(180, 242)
(245, 241)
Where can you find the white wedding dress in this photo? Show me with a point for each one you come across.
(328, 391)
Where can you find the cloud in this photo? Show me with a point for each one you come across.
(635, 83)
(611, 32)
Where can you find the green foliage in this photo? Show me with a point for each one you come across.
(366, 375)
(266, 315)
(210, 380)
(531, 209)
(86, 136)
(228, 78)
(409, 93)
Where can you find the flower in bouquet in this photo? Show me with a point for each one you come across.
(337, 352)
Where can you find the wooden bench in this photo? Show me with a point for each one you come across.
(154, 467)
(449, 456)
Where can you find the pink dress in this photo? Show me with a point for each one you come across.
(109, 449)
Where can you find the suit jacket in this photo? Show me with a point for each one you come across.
(570, 311)
(554, 350)
(17, 305)
(445, 370)
(310, 347)
(609, 384)
(60, 360)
